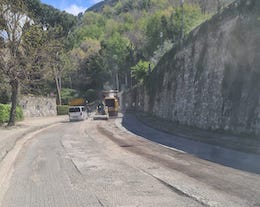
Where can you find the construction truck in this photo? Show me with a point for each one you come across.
(101, 112)
(77, 102)
(111, 101)
(109, 105)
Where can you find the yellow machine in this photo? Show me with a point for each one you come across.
(77, 102)
(111, 101)
(112, 105)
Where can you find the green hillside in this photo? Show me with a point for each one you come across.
(115, 39)
(112, 45)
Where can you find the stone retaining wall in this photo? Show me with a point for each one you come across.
(38, 106)
(212, 80)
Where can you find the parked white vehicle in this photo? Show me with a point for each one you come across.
(77, 113)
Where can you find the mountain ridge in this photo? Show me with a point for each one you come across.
(206, 5)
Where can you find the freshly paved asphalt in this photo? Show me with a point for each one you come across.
(231, 158)
(99, 163)
(66, 166)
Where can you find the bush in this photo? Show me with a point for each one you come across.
(19, 114)
(67, 94)
(62, 110)
(5, 113)
(140, 70)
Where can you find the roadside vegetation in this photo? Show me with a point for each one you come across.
(32, 55)
(5, 113)
(62, 110)
(45, 51)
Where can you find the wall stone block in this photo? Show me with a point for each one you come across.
(212, 80)
(38, 106)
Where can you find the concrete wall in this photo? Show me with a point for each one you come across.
(212, 81)
(37, 106)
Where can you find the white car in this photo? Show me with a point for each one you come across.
(77, 113)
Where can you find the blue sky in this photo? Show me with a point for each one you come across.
(71, 6)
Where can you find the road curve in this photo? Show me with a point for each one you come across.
(96, 163)
(74, 165)
(231, 158)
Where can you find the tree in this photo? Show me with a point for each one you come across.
(90, 73)
(21, 49)
(50, 16)
(159, 53)
(140, 70)
(129, 31)
(13, 20)
(115, 51)
(56, 60)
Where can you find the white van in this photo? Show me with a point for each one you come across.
(77, 113)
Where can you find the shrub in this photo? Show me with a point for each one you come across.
(5, 113)
(62, 110)
(140, 70)
(19, 114)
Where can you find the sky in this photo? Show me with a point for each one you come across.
(71, 6)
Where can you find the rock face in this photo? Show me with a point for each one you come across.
(212, 80)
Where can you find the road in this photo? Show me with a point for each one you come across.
(228, 157)
(98, 163)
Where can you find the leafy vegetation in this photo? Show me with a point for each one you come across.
(107, 47)
(26, 36)
(141, 70)
(5, 113)
(129, 33)
(62, 110)
(67, 95)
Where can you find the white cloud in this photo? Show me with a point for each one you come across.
(75, 10)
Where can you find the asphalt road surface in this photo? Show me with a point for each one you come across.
(97, 163)
(228, 157)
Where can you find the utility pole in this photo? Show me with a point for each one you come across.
(161, 38)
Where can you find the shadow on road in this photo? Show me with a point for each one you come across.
(228, 157)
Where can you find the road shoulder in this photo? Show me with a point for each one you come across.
(242, 143)
(10, 135)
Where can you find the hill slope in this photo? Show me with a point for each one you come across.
(205, 5)
(213, 81)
